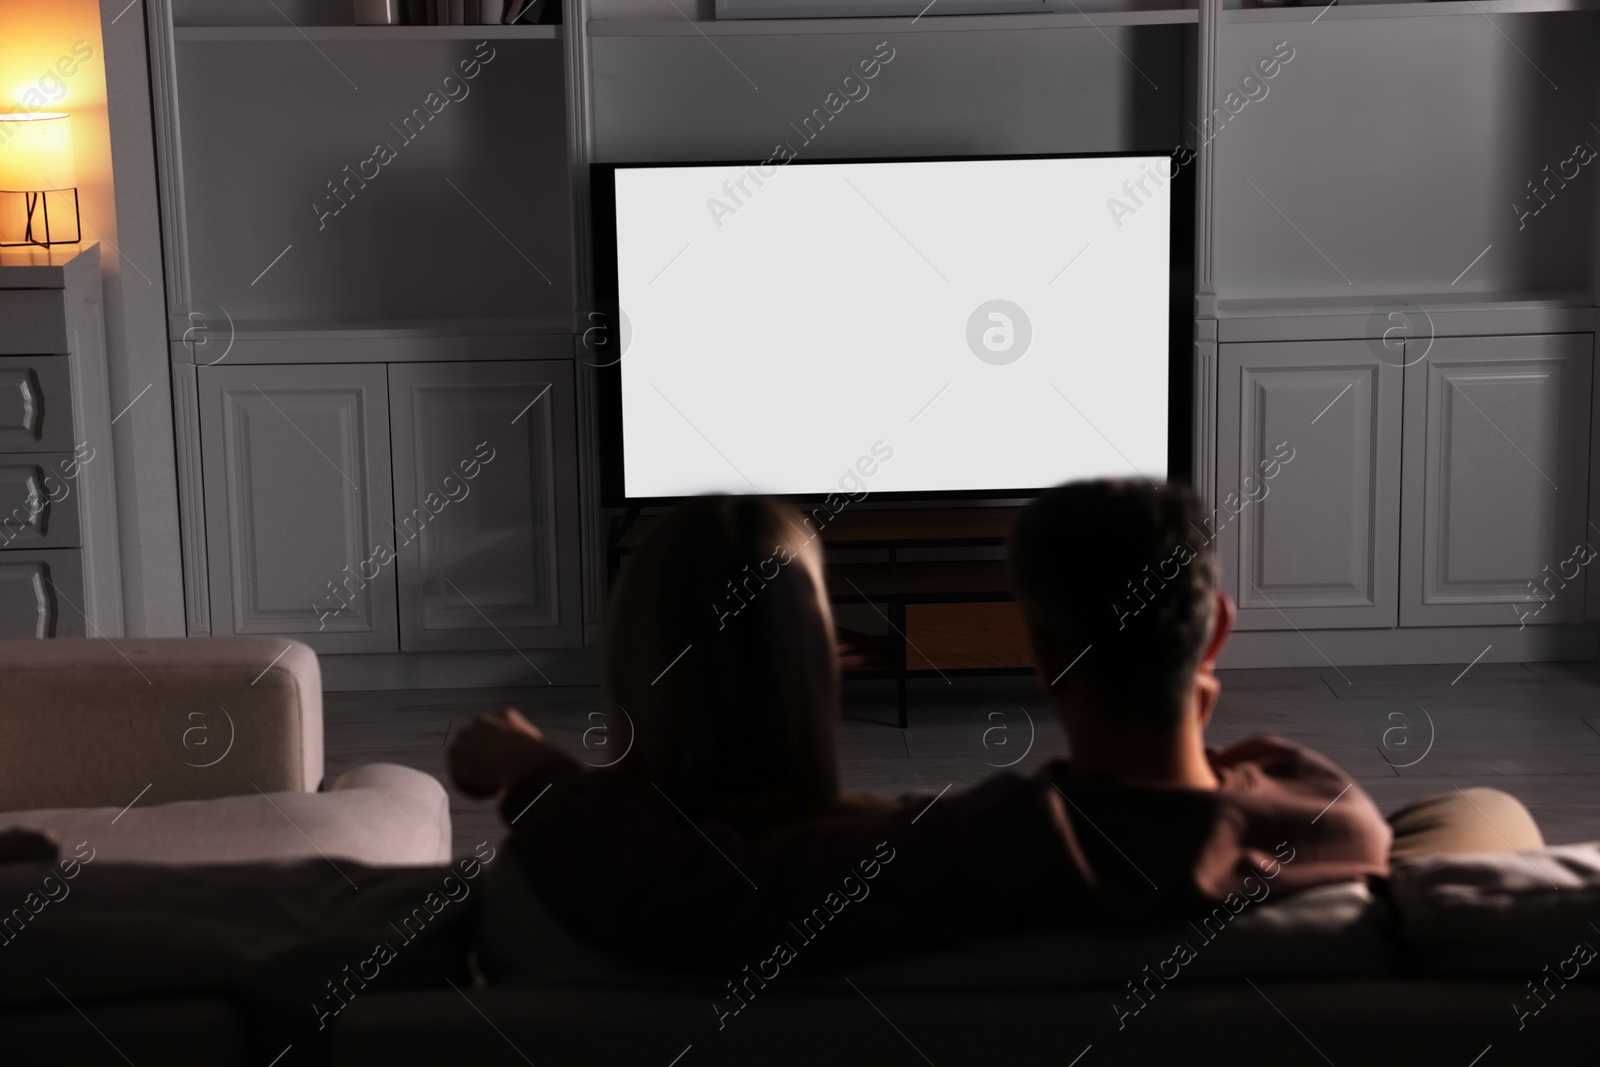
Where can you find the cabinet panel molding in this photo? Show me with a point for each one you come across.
(298, 499)
(487, 534)
(1497, 481)
(1308, 484)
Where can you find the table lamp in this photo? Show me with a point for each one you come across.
(35, 161)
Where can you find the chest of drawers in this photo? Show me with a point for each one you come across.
(59, 566)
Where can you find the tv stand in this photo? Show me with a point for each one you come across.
(946, 617)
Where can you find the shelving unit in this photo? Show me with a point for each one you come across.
(1365, 246)
(1381, 161)
(368, 319)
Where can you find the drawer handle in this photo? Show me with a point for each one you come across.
(30, 405)
(27, 515)
(38, 503)
(28, 392)
(45, 603)
(35, 578)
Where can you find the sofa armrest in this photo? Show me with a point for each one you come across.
(380, 816)
(88, 722)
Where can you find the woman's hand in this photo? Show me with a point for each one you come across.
(496, 752)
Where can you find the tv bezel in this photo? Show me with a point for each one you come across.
(1180, 321)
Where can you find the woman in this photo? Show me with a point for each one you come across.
(719, 647)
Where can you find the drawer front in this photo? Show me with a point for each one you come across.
(965, 636)
(38, 502)
(41, 594)
(35, 404)
(35, 321)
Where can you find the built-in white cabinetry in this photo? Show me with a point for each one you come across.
(1353, 207)
(469, 542)
(1410, 524)
(485, 504)
(370, 318)
(1442, 483)
(1496, 483)
(1308, 483)
(297, 485)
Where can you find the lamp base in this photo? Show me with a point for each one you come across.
(38, 208)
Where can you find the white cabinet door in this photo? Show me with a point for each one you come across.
(296, 468)
(486, 505)
(1312, 542)
(1497, 480)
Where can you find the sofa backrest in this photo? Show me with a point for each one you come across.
(92, 722)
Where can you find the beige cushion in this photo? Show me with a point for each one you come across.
(90, 722)
(381, 815)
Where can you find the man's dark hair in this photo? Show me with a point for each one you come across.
(1128, 569)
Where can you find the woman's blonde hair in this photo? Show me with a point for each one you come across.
(720, 647)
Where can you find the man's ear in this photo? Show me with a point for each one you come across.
(1207, 687)
(1223, 616)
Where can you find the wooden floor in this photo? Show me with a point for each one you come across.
(1403, 732)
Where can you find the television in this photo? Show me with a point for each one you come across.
(900, 328)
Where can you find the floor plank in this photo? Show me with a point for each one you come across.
(1505, 759)
(418, 733)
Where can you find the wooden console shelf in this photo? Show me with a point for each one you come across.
(961, 636)
(945, 617)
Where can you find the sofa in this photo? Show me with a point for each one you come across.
(194, 751)
(175, 945)
(1430, 966)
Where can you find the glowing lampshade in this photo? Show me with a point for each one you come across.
(36, 153)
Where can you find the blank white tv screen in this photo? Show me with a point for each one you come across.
(903, 327)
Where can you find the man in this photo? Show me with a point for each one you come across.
(1143, 827)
